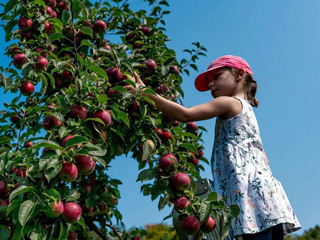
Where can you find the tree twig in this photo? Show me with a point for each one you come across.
(154, 6)
(114, 230)
(94, 228)
(119, 8)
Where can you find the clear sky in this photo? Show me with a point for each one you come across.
(280, 40)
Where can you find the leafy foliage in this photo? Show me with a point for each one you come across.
(43, 139)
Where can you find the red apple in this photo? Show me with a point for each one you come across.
(158, 131)
(114, 75)
(135, 238)
(181, 203)
(73, 235)
(181, 181)
(99, 26)
(26, 88)
(51, 3)
(50, 121)
(4, 202)
(69, 172)
(21, 172)
(208, 225)
(13, 51)
(87, 188)
(28, 144)
(87, 210)
(134, 109)
(130, 36)
(150, 63)
(145, 29)
(174, 70)
(104, 115)
(136, 45)
(41, 51)
(195, 161)
(19, 59)
(54, 14)
(25, 24)
(162, 89)
(76, 111)
(192, 126)
(103, 207)
(15, 118)
(190, 225)
(166, 136)
(66, 75)
(48, 28)
(66, 139)
(175, 124)
(41, 63)
(200, 153)
(72, 212)
(56, 210)
(166, 162)
(25, 35)
(49, 11)
(149, 144)
(84, 163)
(4, 190)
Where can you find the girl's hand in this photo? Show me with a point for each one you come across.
(139, 84)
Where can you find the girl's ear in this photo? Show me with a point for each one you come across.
(241, 74)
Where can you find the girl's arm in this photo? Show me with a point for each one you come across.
(216, 107)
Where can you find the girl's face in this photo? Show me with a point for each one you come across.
(222, 83)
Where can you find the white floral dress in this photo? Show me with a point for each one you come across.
(241, 172)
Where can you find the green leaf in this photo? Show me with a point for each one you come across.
(101, 161)
(86, 43)
(122, 116)
(76, 8)
(26, 209)
(102, 98)
(10, 4)
(66, 17)
(17, 234)
(100, 71)
(235, 210)
(54, 194)
(47, 143)
(147, 174)
(54, 37)
(99, 153)
(20, 190)
(81, 223)
(95, 119)
(52, 172)
(205, 209)
(5, 140)
(87, 31)
(189, 146)
(76, 141)
(212, 196)
(73, 195)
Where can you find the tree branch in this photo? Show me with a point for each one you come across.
(114, 230)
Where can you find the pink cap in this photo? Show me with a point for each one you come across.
(201, 81)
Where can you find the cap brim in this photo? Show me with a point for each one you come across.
(201, 82)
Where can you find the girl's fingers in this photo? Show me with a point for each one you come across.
(136, 76)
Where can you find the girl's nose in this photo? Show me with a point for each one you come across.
(210, 84)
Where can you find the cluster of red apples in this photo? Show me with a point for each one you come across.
(82, 165)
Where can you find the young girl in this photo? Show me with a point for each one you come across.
(239, 164)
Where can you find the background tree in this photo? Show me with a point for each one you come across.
(72, 115)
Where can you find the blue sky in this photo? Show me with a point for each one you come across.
(280, 41)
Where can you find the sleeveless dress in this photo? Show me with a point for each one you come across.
(241, 172)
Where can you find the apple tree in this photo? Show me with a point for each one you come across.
(72, 115)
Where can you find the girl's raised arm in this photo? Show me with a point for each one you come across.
(216, 107)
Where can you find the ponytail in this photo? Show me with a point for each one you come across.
(250, 86)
